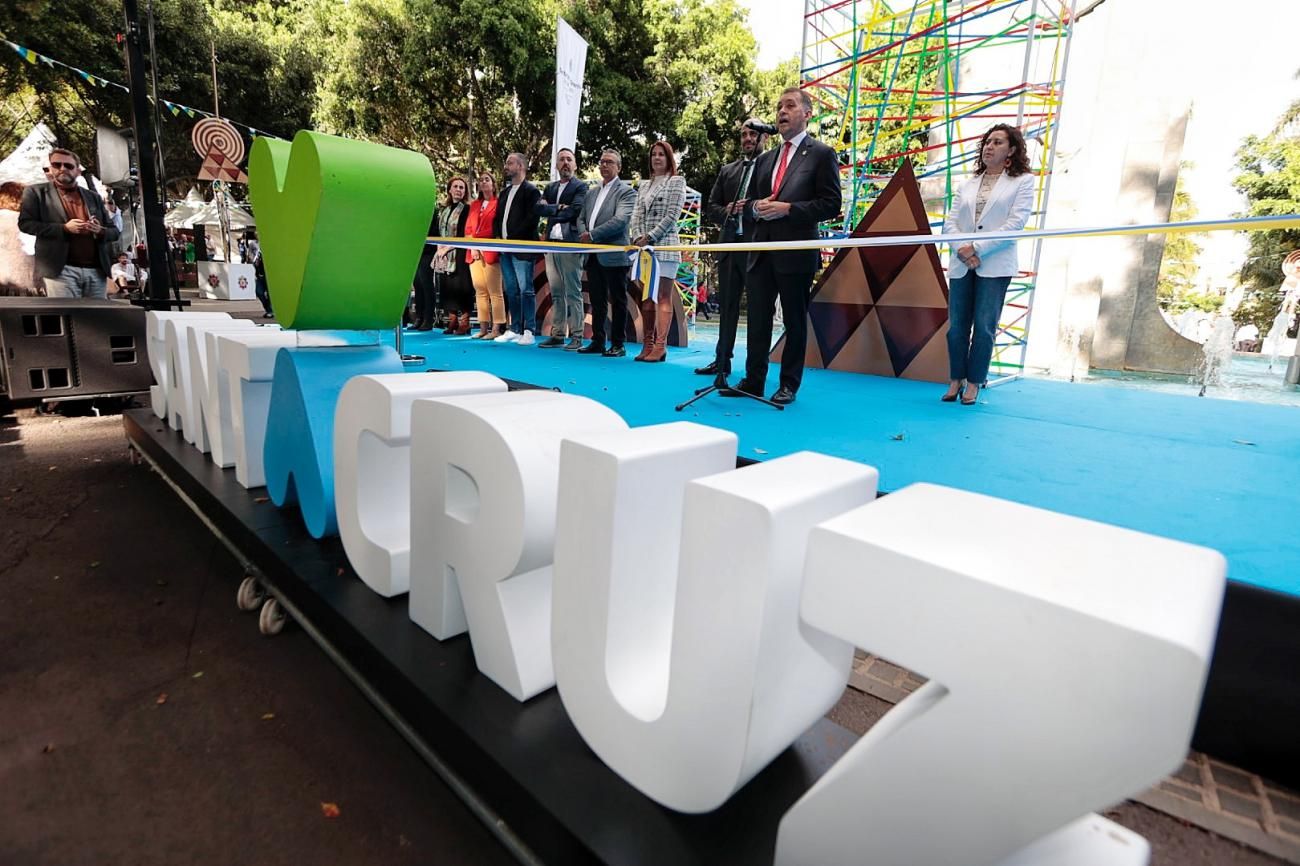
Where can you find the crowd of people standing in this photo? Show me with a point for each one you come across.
(58, 238)
(787, 192)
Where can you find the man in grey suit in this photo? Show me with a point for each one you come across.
(560, 204)
(73, 231)
(603, 220)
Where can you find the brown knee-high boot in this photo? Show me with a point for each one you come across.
(647, 329)
(663, 323)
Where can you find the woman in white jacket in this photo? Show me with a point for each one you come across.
(999, 197)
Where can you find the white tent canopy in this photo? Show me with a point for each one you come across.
(194, 211)
(177, 217)
(207, 215)
(25, 164)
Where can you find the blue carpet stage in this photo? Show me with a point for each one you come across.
(1220, 473)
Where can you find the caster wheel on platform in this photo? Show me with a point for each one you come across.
(133, 455)
(250, 595)
(272, 619)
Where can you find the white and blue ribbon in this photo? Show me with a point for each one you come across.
(645, 268)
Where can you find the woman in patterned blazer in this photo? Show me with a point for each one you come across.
(659, 203)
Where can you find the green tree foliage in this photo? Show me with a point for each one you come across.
(1176, 285)
(404, 73)
(681, 70)
(1269, 178)
(266, 77)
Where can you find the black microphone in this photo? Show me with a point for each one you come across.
(759, 126)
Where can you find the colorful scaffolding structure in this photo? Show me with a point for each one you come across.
(893, 80)
(688, 270)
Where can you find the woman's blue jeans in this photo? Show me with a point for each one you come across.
(974, 304)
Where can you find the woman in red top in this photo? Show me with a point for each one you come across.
(484, 266)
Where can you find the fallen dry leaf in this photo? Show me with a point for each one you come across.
(95, 564)
(898, 437)
(162, 699)
(329, 810)
(197, 675)
(266, 717)
(260, 499)
(49, 747)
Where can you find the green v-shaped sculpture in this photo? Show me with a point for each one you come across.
(342, 224)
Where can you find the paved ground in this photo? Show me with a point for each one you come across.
(144, 720)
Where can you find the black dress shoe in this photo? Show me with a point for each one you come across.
(591, 349)
(614, 352)
(709, 369)
(783, 396)
(742, 387)
(551, 343)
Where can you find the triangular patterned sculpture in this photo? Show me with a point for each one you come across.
(218, 166)
(882, 310)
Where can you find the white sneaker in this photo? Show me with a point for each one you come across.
(526, 339)
(507, 337)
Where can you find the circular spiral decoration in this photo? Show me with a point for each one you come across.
(213, 133)
(1291, 264)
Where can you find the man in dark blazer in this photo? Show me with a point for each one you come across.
(73, 231)
(604, 219)
(516, 220)
(560, 204)
(728, 208)
(795, 187)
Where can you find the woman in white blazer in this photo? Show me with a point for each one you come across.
(998, 198)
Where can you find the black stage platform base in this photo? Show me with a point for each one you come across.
(522, 762)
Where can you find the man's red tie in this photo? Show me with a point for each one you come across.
(780, 169)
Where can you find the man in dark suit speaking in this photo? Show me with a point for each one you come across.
(795, 186)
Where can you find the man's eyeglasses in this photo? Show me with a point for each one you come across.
(609, 162)
(54, 164)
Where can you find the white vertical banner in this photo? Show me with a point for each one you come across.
(570, 63)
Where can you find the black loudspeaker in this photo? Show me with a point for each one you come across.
(60, 349)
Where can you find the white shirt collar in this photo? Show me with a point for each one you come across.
(796, 141)
(794, 146)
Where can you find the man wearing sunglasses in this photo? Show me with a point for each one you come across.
(73, 231)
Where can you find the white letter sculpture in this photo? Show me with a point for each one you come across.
(678, 649)
(224, 391)
(207, 385)
(372, 467)
(155, 328)
(182, 401)
(1066, 660)
(484, 472)
(247, 361)
(247, 364)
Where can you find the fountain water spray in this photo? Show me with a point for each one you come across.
(1276, 335)
(1216, 353)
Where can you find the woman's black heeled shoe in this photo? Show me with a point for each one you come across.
(952, 398)
(971, 401)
